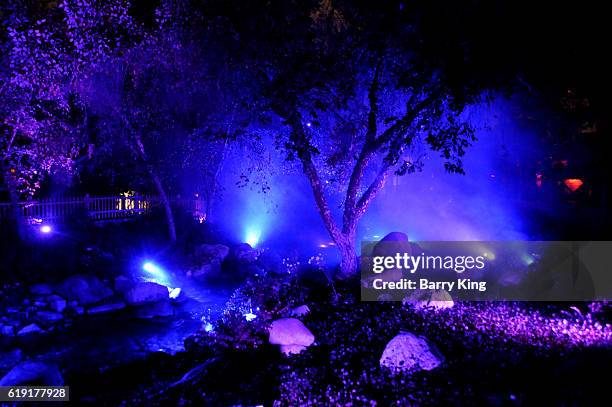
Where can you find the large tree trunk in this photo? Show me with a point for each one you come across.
(348, 255)
(355, 204)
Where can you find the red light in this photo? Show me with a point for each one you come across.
(539, 180)
(573, 183)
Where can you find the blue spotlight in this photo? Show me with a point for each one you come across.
(46, 229)
(252, 237)
(151, 268)
(156, 273)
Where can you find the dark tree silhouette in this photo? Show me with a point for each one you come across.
(358, 93)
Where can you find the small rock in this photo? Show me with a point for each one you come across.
(33, 373)
(56, 303)
(176, 294)
(30, 329)
(291, 334)
(102, 309)
(48, 317)
(440, 299)
(7, 330)
(41, 289)
(407, 351)
(77, 310)
(144, 292)
(300, 311)
(436, 299)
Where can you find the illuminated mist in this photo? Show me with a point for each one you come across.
(484, 204)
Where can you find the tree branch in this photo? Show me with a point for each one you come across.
(377, 184)
(401, 125)
(365, 154)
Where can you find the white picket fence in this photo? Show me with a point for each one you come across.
(98, 208)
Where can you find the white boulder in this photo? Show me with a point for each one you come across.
(291, 334)
(410, 352)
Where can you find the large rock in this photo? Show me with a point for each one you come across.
(244, 253)
(145, 292)
(30, 329)
(86, 289)
(123, 283)
(33, 373)
(410, 352)
(291, 334)
(212, 252)
(394, 242)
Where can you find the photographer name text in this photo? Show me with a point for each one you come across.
(461, 284)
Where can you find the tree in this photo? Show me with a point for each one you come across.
(41, 114)
(48, 49)
(358, 94)
(134, 99)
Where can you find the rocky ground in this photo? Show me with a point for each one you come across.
(290, 335)
(50, 330)
(340, 351)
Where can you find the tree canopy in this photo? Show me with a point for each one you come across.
(350, 91)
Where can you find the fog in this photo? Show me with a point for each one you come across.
(483, 204)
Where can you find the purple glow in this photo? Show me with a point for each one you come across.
(511, 322)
